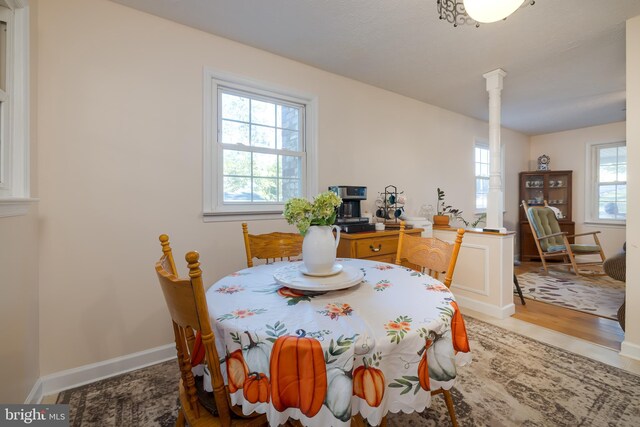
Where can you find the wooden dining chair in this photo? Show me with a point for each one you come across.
(432, 256)
(187, 306)
(553, 243)
(271, 247)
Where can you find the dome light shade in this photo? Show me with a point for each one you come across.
(487, 11)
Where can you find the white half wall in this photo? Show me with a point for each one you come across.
(483, 278)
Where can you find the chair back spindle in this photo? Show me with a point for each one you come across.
(432, 255)
(271, 247)
(187, 305)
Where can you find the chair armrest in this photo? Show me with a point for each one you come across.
(561, 233)
(584, 234)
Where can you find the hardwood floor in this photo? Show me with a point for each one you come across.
(586, 326)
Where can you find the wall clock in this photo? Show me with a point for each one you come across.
(543, 162)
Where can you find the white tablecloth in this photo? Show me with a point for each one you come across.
(323, 358)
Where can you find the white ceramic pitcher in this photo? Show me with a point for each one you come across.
(319, 249)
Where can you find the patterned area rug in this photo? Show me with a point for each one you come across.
(513, 381)
(600, 295)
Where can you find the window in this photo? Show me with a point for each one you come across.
(14, 117)
(5, 164)
(482, 176)
(260, 148)
(607, 194)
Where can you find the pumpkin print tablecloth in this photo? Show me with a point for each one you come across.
(377, 347)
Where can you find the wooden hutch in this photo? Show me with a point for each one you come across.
(536, 187)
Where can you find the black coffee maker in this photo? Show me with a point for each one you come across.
(349, 216)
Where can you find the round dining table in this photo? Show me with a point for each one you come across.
(379, 346)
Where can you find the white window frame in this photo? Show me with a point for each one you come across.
(591, 187)
(15, 190)
(213, 207)
(484, 143)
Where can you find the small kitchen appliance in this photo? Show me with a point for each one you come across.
(349, 217)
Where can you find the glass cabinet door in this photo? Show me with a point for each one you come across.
(558, 192)
(534, 193)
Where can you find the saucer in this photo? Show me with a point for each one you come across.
(291, 276)
(337, 268)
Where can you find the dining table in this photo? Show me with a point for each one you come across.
(322, 355)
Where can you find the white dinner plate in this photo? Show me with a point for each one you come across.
(337, 268)
(291, 277)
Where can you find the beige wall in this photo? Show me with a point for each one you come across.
(19, 311)
(120, 114)
(631, 344)
(19, 369)
(568, 152)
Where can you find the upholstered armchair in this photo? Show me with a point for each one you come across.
(616, 267)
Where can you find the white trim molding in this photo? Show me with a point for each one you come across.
(484, 308)
(629, 349)
(15, 206)
(64, 380)
(591, 185)
(485, 257)
(15, 195)
(214, 209)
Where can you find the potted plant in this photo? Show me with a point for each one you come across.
(314, 221)
(441, 219)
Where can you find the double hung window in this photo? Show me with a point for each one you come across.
(481, 152)
(259, 148)
(14, 109)
(607, 194)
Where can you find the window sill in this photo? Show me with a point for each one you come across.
(15, 206)
(607, 224)
(240, 216)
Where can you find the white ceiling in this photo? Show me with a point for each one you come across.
(565, 59)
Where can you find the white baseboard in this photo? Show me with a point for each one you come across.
(64, 380)
(35, 395)
(631, 350)
(484, 308)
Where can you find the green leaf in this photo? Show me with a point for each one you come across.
(339, 351)
(404, 382)
(396, 385)
(411, 378)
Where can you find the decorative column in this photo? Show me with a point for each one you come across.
(494, 199)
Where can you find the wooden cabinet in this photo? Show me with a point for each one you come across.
(374, 245)
(536, 187)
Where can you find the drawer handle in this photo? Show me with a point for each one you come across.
(376, 249)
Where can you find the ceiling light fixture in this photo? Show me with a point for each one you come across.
(474, 12)
(491, 11)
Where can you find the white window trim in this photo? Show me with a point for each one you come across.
(15, 198)
(482, 142)
(590, 216)
(212, 211)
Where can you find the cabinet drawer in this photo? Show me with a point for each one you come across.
(375, 247)
(390, 258)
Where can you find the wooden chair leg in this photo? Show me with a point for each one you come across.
(544, 263)
(180, 420)
(452, 412)
(358, 421)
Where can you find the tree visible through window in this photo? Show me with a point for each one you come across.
(261, 142)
